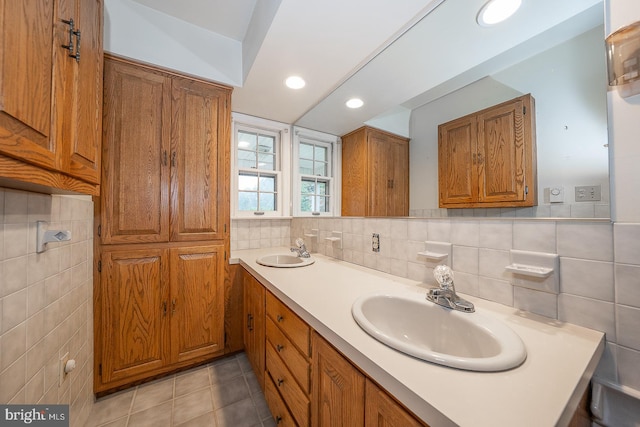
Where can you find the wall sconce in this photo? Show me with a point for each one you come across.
(623, 60)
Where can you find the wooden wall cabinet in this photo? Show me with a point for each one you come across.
(488, 158)
(375, 173)
(165, 156)
(51, 110)
(162, 230)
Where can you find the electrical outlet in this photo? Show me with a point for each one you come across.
(588, 193)
(375, 242)
(62, 375)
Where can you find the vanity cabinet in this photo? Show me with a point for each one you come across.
(307, 382)
(488, 158)
(254, 332)
(159, 309)
(162, 224)
(375, 173)
(51, 110)
(288, 368)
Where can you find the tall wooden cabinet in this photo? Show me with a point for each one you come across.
(163, 224)
(51, 90)
(375, 173)
(488, 159)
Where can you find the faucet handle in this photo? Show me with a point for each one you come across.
(444, 276)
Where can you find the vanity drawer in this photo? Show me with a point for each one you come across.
(281, 414)
(291, 393)
(290, 355)
(295, 328)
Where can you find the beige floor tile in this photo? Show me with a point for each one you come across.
(239, 414)
(112, 407)
(230, 392)
(192, 405)
(157, 416)
(120, 422)
(224, 370)
(153, 394)
(204, 420)
(191, 381)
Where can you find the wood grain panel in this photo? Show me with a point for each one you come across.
(234, 316)
(456, 153)
(135, 174)
(293, 326)
(254, 330)
(197, 302)
(296, 399)
(199, 143)
(26, 62)
(291, 357)
(339, 390)
(383, 411)
(354, 174)
(85, 148)
(134, 320)
(281, 414)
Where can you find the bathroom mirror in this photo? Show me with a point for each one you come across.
(553, 51)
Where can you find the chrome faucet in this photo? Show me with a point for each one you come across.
(301, 249)
(446, 295)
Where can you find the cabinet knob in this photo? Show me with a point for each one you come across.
(278, 419)
(280, 381)
(279, 318)
(279, 348)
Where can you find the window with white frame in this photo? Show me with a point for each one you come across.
(261, 166)
(316, 172)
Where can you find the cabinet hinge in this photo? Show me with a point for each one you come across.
(100, 369)
(99, 266)
(526, 189)
(100, 230)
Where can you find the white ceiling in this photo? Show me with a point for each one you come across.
(341, 48)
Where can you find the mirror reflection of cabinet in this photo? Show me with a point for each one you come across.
(488, 158)
(375, 173)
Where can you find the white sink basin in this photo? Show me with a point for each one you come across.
(411, 324)
(284, 260)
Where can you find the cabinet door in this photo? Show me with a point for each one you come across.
(197, 302)
(83, 144)
(254, 331)
(199, 159)
(26, 60)
(380, 164)
(382, 411)
(458, 180)
(133, 300)
(135, 175)
(398, 192)
(338, 391)
(501, 153)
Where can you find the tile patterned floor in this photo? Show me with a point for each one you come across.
(224, 393)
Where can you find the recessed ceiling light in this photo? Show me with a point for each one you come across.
(495, 11)
(354, 103)
(295, 82)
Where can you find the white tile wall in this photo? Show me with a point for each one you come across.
(46, 302)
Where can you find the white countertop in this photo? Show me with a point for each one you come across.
(543, 391)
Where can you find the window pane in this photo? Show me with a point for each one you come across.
(248, 182)
(246, 159)
(306, 151)
(266, 144)
(306, 167)
(247, 141)
(320, 169)
(247, 201)
(266, 161)
(268, 183)
(307, 204)
(308, 187)
(267, 202)
(323, 204)
(321, 153)
(323, 188)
